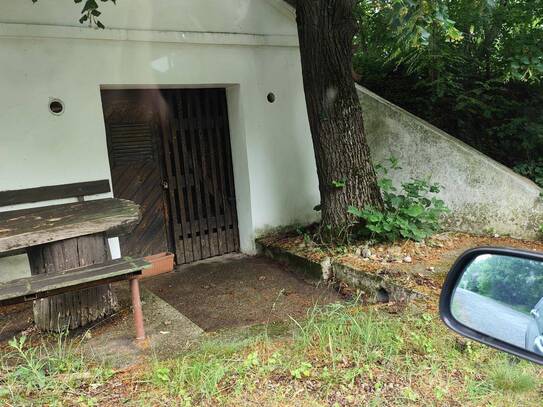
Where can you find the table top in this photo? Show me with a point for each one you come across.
(32, 227)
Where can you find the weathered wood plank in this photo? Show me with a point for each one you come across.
(48, 193)
(76, 308)
(132, 118)
(167, 133)
(31, 227)
(223, 170)
(183, 139)
(206, 181)
(196, 168)
(229, 174)
(180, 208)
(73, 309)
(44, 285)
(218, 226)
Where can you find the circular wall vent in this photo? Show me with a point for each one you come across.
(56, 106)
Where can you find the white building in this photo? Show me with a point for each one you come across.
(184, 61)
(195, 109)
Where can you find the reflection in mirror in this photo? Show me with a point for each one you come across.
(501, 296)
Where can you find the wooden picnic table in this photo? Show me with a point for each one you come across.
(62, 237)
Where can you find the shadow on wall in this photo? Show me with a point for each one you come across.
(483, 195)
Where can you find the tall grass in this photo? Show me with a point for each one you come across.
(342, 331)
(46, 373)
(361, 355)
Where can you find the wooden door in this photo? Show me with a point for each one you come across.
(170, 152)
(135, 155)
(199, 167)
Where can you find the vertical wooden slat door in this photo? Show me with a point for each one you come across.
(199, 164)
(170, 152)
(134, 144)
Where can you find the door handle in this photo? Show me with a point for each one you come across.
(165, 185)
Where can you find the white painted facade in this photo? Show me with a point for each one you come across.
(248, 47)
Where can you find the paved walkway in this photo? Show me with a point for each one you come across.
(219, 293)
(238, 290)
(168, 332)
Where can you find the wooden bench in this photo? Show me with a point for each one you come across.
(45, 285)
(28, 229)
(52, 192)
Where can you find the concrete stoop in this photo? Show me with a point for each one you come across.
(373, 287)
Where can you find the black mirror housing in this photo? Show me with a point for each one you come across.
(452, 282)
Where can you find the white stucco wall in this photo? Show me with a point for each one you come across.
(218, 16)
(248, 47)
(253, 54)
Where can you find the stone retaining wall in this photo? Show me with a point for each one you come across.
(484, 196)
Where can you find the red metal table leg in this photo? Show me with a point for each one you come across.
(136, 305)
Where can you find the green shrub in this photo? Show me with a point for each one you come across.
(412, 213)
(532, 170)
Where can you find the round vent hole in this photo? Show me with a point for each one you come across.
(56, 106)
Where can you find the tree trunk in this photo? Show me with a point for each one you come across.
(346, 175)
(79, 308)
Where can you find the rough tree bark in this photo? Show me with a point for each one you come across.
(75, 309)
(326, 29)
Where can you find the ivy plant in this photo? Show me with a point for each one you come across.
(412, 212)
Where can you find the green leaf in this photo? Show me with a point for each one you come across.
(412, 214)
(375, 217)
(385, 184)
(355, 211)
(414, 210)
(338, 184)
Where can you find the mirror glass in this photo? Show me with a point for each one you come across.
(501, 296)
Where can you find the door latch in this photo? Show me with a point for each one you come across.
(165, 185)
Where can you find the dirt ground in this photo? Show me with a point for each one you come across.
(14, 320)
(225, 292)
(237, 291)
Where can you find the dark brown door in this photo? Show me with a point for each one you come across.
(202, 192)
(135, 156)
(176, 144)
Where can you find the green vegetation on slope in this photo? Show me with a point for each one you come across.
(471, 67)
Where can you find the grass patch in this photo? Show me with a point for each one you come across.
(506, 376)
(50, 373)
(348, 354)
(341, 354)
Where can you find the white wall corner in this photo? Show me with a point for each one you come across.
(240, 163)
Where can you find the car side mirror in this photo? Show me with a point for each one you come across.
(495, 296)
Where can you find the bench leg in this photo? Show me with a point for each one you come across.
(136, 306)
